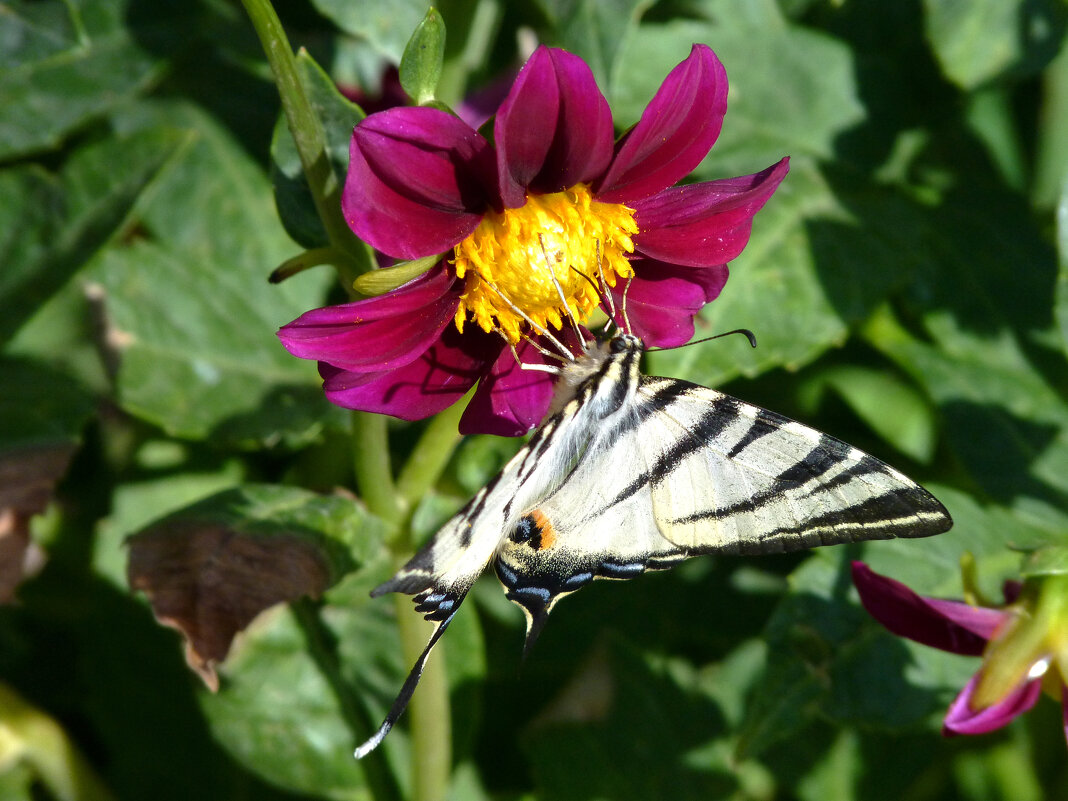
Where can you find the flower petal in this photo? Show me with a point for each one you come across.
(949, 625)
(381, 333)
(700, 225)
(662, 299)
(434, 381)
(419, 181)
(554, 129)
(509, 401)
(675, 133)
(962, 719)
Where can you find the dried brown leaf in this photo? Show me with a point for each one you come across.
(28, 479)
(209, 582)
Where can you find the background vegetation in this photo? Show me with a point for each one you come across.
(908, 285)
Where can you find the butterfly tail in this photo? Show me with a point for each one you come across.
(406, 692)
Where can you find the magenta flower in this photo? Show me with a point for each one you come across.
(1018, 642)
(532, 223)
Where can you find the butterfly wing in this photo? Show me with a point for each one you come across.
(440, 575)
(687, 471)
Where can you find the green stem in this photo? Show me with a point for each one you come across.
(1051, 162)
(27, 733)
(307, 131)
(303, 261)
(430, 454)
(429, 709)
(430, 716)
(374, 474)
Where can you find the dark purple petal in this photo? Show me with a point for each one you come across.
(419, 181)
(434, 381)
(554, 129)
(478, 106)
(509, 401)
(962, 719)
(947, 625)
(700, 225)
(676, 131)
(662, 299)
(379, 333)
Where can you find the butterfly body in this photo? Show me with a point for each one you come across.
(630, 473)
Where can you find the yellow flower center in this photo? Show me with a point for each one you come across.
(542, 259)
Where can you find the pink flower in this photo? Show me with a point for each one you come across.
(529, 227)
(1018, 642)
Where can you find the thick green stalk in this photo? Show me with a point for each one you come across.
(307, 131)
(431, 722)
(1051, 162)
(374, 473)
(430, 454)
(430, 718)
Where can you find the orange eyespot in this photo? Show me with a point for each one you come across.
(546, 534)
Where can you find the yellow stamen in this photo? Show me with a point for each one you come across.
(521, 251)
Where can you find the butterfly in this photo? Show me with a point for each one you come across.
(630, 473)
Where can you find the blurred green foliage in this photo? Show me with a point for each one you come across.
(908, 285)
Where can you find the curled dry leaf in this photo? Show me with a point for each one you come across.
(28, 479)
(209, 582)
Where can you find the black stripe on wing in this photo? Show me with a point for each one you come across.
(719, 415)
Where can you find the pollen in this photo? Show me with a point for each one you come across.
(545, 259)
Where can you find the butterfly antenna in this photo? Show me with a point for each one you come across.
(406, 692)
(606, 299)
(540, 329)
(743, 331)
(606, 290)
(560, 290)
(626, 290)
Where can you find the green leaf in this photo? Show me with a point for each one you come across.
(797, 284)
(56, 224)
(291, 193)
(386, 27)
(1052, 561)
(637, 725)
(39, 406)
(300, 690)
(986, 40)
(420, 67)
(597, 30)
(65, 64)
(191, 315)
(796, 100)
(894, 409)
(827, 659)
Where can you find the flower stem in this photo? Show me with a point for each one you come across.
(431, 722)
(430, 454)
(374, 473)
(303, 261)
(307, 131)
(431, 718)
